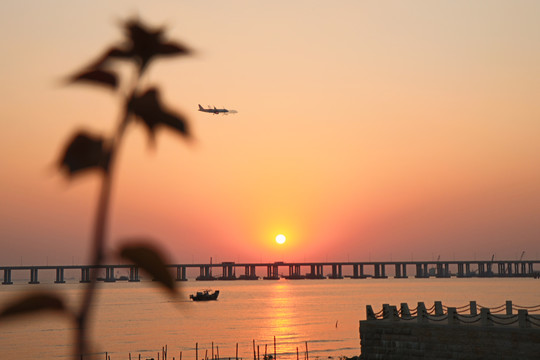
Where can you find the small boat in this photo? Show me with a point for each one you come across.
(204, 295)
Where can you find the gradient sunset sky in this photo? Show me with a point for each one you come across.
(366, 130)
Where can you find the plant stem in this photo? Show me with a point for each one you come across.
(100, 228)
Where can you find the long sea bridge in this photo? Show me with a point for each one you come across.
(291, 270)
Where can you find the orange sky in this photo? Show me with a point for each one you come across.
(364, 131)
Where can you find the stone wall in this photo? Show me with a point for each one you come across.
(391, 339)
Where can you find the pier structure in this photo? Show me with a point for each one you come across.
(272, 271)
(206, 273)
(228, 271)
(291, 270)
(316, 272)
(337, 272)
(180, 273)
(508, 331)
(249, 273)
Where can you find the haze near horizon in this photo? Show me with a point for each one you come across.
(364, 131)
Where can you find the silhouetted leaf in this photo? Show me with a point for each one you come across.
(149, 109)
(112, 53)
(145, 43)
(98, 76)
(150, 260)
(85, 151)
(33, 303)
(141, 45)
(172, 48)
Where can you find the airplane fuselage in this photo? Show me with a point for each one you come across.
(213, 111)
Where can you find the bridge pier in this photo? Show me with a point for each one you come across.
(422, 270)
(181, 273)
(295, 273)
(489, 270)
(228, 272)
(380, 271)
(501, 269)
(249, 273)
(59, 276)
(85, 274)
(205, 273)
(460, 272)
(481, 269)
(316, 272)
(272, 273)
(109, 274)
(134, 274)
(7, 277)
(358, 271)
(33, 276)
(401, 271)
(443, 270)
(337, 272)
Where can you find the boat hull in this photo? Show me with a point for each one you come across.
(205, 296)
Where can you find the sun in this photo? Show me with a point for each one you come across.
(280, 239)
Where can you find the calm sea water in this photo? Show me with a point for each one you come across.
(140, 318)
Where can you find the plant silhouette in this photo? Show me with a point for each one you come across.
(86, 152)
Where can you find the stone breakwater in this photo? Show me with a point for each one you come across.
(442, 332)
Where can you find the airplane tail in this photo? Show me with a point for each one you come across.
(200, 107)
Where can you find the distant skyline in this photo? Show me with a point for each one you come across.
(365, 130)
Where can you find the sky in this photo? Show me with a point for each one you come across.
(366, 130)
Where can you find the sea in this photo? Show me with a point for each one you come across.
(313, 319)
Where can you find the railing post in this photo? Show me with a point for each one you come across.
(474, 310)
(394, 315)
(370, 315)
(438, 308)
(421, 313)
(485, 317)
(405, 312)
(508, 307)
(386, 311)
(522, 319)
(452, 316)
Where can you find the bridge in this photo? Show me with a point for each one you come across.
(292, 270)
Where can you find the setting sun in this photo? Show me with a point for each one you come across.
(280, 239)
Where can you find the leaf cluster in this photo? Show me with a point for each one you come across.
(141, 45)
(87, 151)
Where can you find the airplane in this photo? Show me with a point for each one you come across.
(214, 110)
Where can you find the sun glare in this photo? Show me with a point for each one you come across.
(280, 239)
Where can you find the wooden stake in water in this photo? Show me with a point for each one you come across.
(196, 351)
(297, 355)
(180, 357)
(307, 352)
(254, 354)
(217, 352)
(212, 350)
(236, 351)
(275, 354)
(265, 354)
(205, 355)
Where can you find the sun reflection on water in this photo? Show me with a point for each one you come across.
(281, 320)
